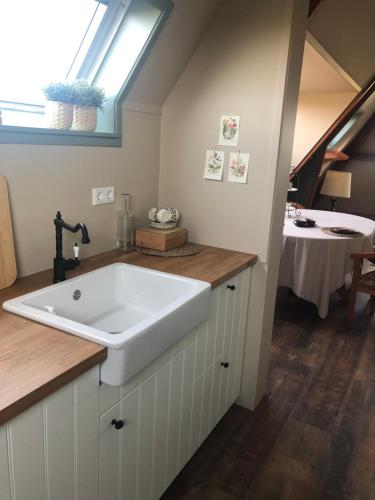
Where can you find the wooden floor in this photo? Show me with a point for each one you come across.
(314, 436)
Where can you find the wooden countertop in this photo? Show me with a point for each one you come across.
(214, 265)
(35, 359)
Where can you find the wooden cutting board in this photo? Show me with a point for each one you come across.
(8, 270)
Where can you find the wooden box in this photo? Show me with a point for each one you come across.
(160, 239)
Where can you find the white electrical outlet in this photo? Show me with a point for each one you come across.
(101, 196)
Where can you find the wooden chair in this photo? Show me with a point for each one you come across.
(297, 205)
(364, 283)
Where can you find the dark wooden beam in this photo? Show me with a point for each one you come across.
(313, 5)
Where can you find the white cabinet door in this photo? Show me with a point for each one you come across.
(224, 344)
(51, 450)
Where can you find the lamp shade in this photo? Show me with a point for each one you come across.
(337, 184)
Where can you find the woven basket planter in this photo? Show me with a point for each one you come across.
(59, 114)
(84, 118)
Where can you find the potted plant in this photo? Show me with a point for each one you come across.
(59, 105)
(87, 100)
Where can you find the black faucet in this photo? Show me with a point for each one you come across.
(60, 265)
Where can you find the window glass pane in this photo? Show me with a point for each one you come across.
(126, 47)
(39, 40)
(22, 118)
(87, 41)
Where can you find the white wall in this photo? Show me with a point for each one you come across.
(174, 47)
(315, 114)
(241, 67)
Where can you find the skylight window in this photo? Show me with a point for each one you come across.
(40, 45)
(99, 41)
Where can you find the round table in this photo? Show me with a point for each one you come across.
(314, 264)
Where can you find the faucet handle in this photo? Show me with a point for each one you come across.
(76, 251)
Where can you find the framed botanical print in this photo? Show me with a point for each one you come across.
(214, 165)
(238, 167)
(229, 130)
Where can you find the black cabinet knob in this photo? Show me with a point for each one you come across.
(226, 365)
(119, 424)
(231, 287)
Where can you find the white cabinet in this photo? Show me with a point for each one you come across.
(51, 451)
(129, 443)
(171, 407)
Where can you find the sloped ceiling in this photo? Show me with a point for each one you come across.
(172, 50)
(319, 76)
(345, 28)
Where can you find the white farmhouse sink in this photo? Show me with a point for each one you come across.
(137, 313)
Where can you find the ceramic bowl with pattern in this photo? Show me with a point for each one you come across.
(163, 215)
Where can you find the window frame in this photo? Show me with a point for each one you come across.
(11, 134)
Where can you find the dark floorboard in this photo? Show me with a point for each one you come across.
(314, 436)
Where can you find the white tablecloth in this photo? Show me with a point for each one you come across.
(314, 264)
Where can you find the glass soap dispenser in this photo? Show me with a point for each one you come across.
(125, 226)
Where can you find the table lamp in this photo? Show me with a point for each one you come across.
(336, 185)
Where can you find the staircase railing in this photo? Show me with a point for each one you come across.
(310, 166)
